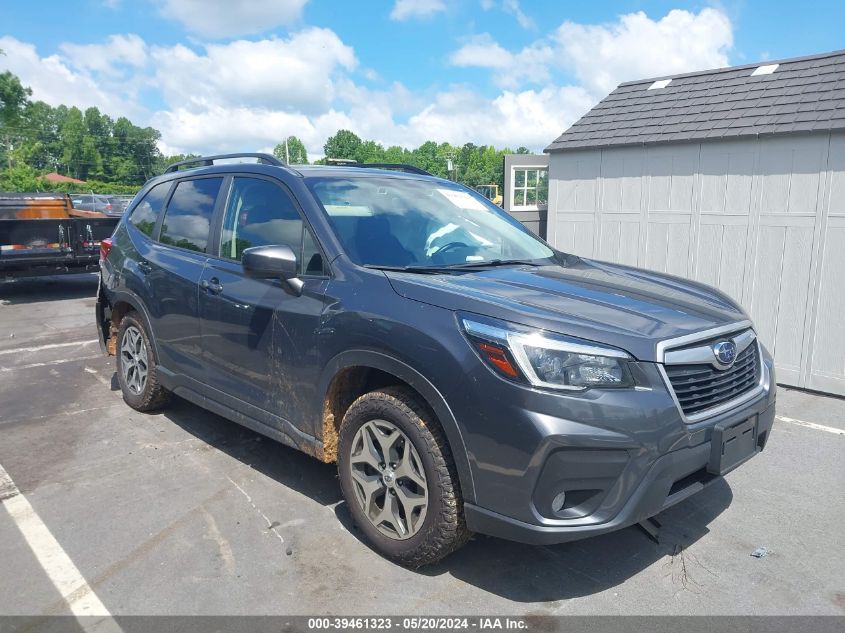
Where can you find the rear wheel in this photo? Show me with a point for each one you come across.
(136, 366)
(398, 478)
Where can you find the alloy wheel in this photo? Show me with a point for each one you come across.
(133, 360)
(388, 479)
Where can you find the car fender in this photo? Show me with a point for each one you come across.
(127, 296)
(384, 362)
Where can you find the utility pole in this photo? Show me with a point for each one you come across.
(451, 168)
(287, 152)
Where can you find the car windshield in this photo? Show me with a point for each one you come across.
(404, 222)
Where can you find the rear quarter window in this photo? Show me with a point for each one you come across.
(145, 214)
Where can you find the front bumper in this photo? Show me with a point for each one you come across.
(671, 479)
(102, 315)
(619, 457)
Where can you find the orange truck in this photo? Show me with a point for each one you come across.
(42, 234)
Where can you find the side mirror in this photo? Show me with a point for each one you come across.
(272, 262)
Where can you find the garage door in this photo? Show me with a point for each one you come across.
(763, 220)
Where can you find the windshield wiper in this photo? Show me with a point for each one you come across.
(493, 263)
(433, 270)
(423, 270)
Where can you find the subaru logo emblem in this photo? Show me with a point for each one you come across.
(725, 352)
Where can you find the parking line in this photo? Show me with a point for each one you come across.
(812, 425)
(64, 575)
(20, 350)
(49, 363)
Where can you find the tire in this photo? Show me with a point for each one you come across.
(427, 537)
(141, 388)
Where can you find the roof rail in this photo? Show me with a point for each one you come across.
(348, 162)
(205, 161)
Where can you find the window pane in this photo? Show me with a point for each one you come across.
(519, 177)
(187, 220)
(532, 177)
(259, 213)
(543, 187)
(403, 222)
(519, 197)
(531, 196)
(312, 259)
(145, 214)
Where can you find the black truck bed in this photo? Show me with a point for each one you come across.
(34, 247)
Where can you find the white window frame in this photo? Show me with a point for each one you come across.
(526, 187)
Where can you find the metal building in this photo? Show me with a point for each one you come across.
(734, 177)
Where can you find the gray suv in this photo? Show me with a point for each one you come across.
(463, 374)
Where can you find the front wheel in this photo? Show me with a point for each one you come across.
(136, 366)
(399, 479)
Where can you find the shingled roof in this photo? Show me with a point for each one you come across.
(803, 94)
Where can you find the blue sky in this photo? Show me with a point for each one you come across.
(236, 74)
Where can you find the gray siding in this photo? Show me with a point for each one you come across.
(762, 219)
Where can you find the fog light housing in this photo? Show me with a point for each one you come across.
(558, 501)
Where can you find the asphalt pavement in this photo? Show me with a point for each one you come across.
(183, 512)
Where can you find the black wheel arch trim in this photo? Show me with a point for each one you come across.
(125, 296)
(433, 398)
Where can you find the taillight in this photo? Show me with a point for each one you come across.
(105, 247)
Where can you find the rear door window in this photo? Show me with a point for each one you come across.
(145, 214)
(187, 221)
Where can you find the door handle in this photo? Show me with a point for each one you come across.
(145, 267)
(213, 286)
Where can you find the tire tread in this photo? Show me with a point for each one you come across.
(448, 532)
(155, 396)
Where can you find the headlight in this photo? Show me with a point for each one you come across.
(549, 360)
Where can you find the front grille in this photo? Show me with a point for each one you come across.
(702, 387)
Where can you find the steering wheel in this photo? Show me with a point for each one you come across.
(448, 247)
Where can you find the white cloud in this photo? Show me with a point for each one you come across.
(249, 94)
(285, 74)
(528, 66)
(482, 51)
(637, 47)
(512, 7)
(119, 50)
(408, 9)
(232, 18)
(531, 118)
(602, 56)
(459, 115)
(231, 129)
(56, 81)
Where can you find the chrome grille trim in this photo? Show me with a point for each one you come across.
(691, 367)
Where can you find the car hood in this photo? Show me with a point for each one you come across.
(616, 305)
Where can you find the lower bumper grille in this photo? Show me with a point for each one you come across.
(702, 387)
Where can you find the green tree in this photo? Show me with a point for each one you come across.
(294, 154)
(396, 154)
(41, 144)
(369, 152)
(344, 144)
(20, 177)
(13, 99)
